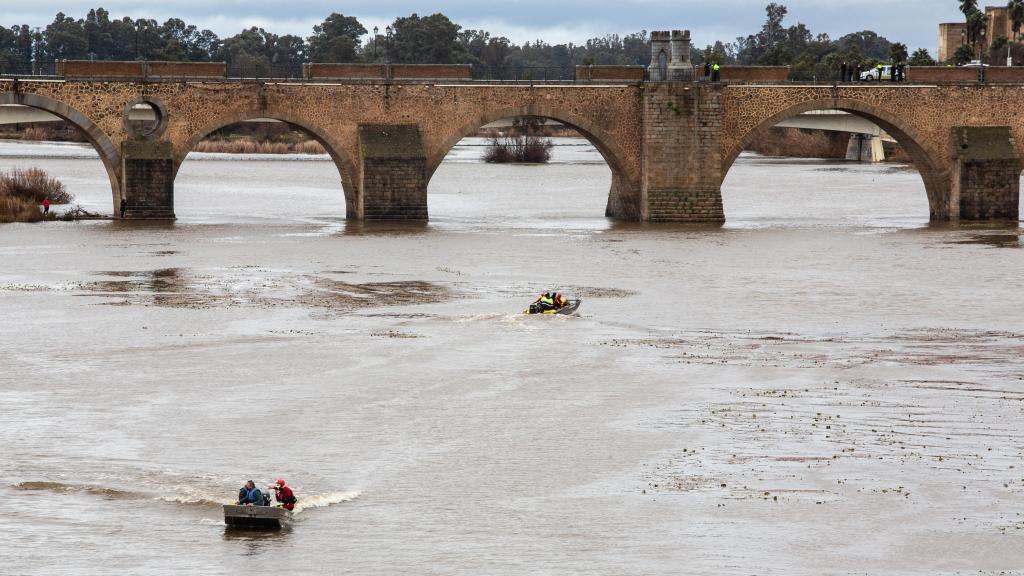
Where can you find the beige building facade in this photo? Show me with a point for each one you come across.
(954, 34)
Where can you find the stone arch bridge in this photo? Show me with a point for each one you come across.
(669, 144)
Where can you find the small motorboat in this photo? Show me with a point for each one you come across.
(256, 517)
(570, 307)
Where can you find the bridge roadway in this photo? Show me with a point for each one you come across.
(669, 144)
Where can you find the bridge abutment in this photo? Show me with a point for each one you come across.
(148, 179)
(986, 174)
(393, 172)
(682, 165)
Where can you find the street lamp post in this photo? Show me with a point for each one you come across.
(387, 53)
(36, 64)
(376, 30)
(981, 55)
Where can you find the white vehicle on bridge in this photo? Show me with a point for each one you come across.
(876, 74)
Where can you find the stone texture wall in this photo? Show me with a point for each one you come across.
(682, 163)
(148, 179)
(921, 118)
(669, 146)
(394, 172)
(986, 175)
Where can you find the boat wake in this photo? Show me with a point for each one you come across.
(180, 494)
(324, 500)
(59, 487)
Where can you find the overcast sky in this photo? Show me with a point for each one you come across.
(914, 22)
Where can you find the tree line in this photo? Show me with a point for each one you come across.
(433, 39)
(412, 39)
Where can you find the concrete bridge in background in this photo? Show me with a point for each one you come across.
(669, 143)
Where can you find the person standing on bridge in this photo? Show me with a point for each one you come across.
(860, 70)
(707, 70)
(716, 73)
(844, 72)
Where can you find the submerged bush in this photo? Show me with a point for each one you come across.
(22, 192)
(33, 184)
(524, 145)
(249, 146)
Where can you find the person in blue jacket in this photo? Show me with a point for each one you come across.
(251, 495)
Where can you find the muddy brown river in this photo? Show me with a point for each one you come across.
(825, 385)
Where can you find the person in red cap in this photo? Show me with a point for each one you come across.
(284, 495)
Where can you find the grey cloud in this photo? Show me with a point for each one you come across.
(914, 22)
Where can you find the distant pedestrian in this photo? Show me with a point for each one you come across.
(903, 72)
(843, 70)
(46, 206)
(860, 70)
(707, 70)
(716, 73)
(124, 207)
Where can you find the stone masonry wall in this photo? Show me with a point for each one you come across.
(681, 161)
(148, 179)
(394, 172)
(657, 138)
(986, 176)
(989, 190)
(395, 189)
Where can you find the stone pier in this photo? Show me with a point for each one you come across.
(986, 176)
(148, 176)
(394, 172)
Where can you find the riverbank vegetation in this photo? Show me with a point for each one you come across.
(22, 192)
(524, 143)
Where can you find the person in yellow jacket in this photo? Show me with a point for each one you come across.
(716, 72)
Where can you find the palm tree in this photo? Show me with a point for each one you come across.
(968, 6)
(975, 22)
(898, 52)
(1016, 8)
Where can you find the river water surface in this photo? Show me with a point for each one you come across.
(827, 384)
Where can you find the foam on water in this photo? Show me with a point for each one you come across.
(324, 500)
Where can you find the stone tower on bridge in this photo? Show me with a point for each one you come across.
(670, 57)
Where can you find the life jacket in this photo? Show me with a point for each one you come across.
(717, 67)
(547, 300)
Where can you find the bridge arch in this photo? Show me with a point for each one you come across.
(109, 154)
(624, 197)
(926, 158)
(344, 164)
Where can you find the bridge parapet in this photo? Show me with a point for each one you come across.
(139, 69)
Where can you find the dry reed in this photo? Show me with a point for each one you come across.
(35, 185)
(248, 146)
